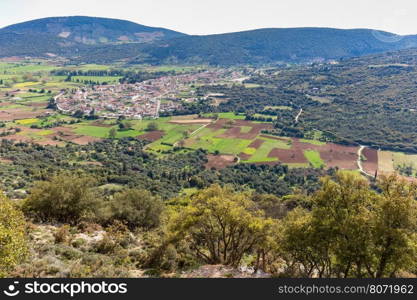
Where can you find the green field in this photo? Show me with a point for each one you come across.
(89, 67)
(249, 151)
(313, 142)
(45, 132)
(27, 121)
(95, 131)
(405, 160)
(251, 85)
(314, 158)
(20, 68)
(261, 154)
(37, 75)
(207, 139)
(103, 132)
(245, 129)
(14, 106)
(227, 115)
(265, 116)
(173, 132)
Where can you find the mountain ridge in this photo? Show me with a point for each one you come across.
(92, 30)
(92, 39)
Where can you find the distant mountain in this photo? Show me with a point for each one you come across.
(260, 46)
(91, 30)
(86, 39)
(273, 45)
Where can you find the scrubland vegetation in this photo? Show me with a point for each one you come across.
(347, 228)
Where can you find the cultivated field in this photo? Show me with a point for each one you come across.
(245, 140)
(27, 87)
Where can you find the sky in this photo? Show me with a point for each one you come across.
(220, 16)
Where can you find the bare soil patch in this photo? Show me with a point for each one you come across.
(67, 134)
(219, 161)
(61, 130)
(288, 156)
(37, 104)
(6, 160)
(219, 124)
(333, 155)
(343, 157)
(218, 101)
(18, 114)
(99, 123)
(370, 165)
(184, 117)
(50, 142)
(18, 138)
(84, 140)
(274, 138)
(235, 130)
(152, 136)
(244, 156)
(256, 144)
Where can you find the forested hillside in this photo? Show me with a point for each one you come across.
(369, 100)
(274, 45)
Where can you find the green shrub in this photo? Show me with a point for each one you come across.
(66, 198)
(13, 243)
(152, 126)
(77, 243)
(68, 252)
(136, 208)
(105, 246)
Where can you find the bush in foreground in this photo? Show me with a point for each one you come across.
(13, 244)
(66, 198)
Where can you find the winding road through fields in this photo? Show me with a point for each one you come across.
(359, 162)
(195, 131)
(298, 115)
(200, 128)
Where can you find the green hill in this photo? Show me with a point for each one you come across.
(91, 30)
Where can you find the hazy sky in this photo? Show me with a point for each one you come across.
(218, 16)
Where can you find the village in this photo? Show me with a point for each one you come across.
(135, 101)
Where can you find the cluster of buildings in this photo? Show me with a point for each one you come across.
(133, 101)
